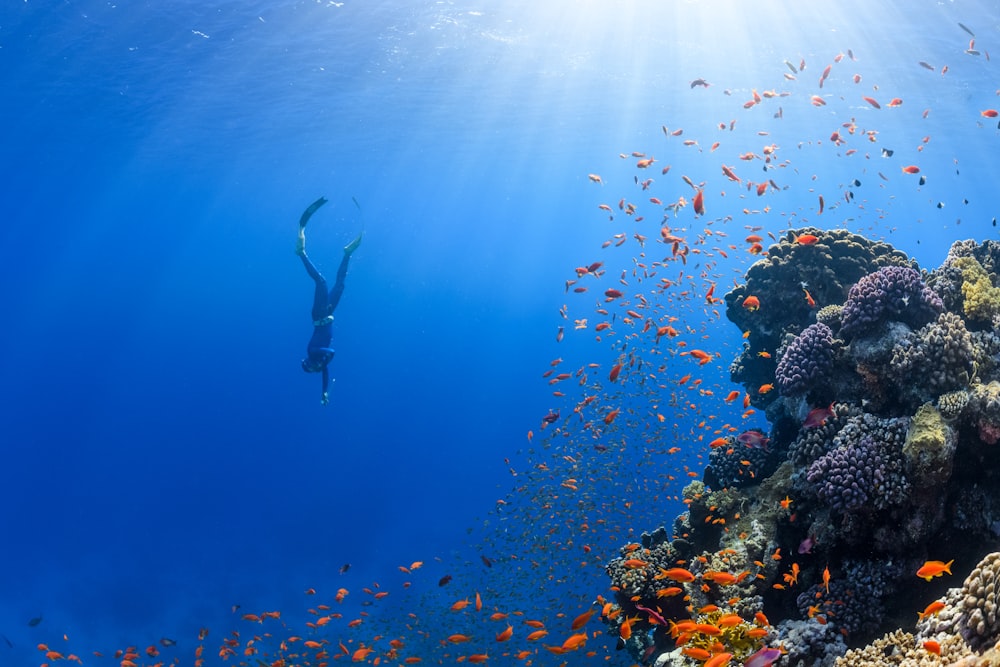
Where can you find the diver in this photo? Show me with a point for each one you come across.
(319, 353)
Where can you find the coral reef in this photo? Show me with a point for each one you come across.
(859, 474)
(881, 453)
(807, 361)
(892, 293)
(936, 359)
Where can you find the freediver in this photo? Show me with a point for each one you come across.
(319, 354)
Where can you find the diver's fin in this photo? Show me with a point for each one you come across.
(313, 207)
(353, 245)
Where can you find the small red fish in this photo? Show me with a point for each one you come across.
(911, 169)
(989, 113)
(872, 101)
(615, 370)
(699, 203)
(753, 439)
(806, 239)
(818, 416)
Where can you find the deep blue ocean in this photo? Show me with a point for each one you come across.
(165, 458)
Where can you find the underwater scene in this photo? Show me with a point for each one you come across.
(633, 333)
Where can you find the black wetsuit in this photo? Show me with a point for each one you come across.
(319, 354)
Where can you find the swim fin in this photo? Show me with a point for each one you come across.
(313, 207)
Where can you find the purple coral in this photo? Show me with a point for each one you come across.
(857, 472)
(891, 293)
(807, 360)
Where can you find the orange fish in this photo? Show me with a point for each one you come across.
(676, 574)
(895, 102)
(733, 395)
(573, 642)
(826, 578)
(817, 101)
(506, 634)
(696, 653)
(581, 620)
(764, 388)
(911, 169)
(669, 592)
(625, 631)
(458, 639)
(719, 660)
(751, 303)
(699, 203)
(721, 578)
(361, 654)
(702, 356)
(536, 635)
(806, 239)
(934, 568)
(989, 113)
(932, 608)
(872, 102)
(932, 646)
(729, 620)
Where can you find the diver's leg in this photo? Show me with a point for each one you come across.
(338, 287)
(321, 304)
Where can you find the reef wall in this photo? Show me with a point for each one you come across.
(882, 454)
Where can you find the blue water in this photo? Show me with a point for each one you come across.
(165, 458)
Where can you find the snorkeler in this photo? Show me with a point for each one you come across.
(319, 353)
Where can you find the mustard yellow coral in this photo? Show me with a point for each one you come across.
(720, 631)
(982, 299)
